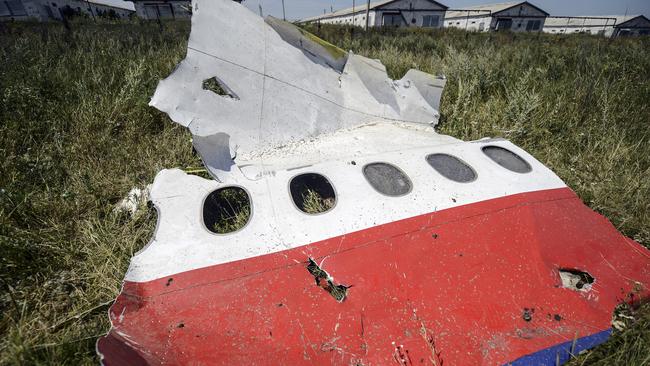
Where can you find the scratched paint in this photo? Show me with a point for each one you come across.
(509, 266)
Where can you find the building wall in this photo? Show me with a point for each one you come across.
(163, 9)
(419, 13)
(42, 10)
(411, 18)
(358, 19)
(634, 27)
(523, 18)
(20, 10)
(475, 23)
(603, 30)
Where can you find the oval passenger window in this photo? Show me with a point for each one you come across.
(226, 210)
(507, 159)
(451, 168)
(387, 179)
(312, 193)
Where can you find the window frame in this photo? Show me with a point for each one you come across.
(293, 202)
(250, 205)
(363, 173)
(426, 159)
(530, 167)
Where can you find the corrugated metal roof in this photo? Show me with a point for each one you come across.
(486, 9)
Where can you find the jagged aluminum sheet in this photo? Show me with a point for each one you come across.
(285, 85)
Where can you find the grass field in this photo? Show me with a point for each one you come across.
(76, 135)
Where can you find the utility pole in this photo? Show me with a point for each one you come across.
(93, 13)
(284, 14)
(354, 15)
(367, 14)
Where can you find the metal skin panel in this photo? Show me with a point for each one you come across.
(455, 273)
(451, 286)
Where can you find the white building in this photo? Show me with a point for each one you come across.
(42, 10)
(397, 13)
(163, 9)
(514, 16)
(605, 25)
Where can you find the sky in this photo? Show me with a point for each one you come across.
(299, 9)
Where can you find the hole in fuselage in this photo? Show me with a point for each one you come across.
(226, 210)
(312, 193)
(576, 280)
(218, 87)
(326, 282)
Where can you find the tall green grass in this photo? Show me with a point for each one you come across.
(76, 135)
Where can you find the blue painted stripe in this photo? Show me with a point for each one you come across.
(549, 356)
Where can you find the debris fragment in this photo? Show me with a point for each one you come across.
(133, 200)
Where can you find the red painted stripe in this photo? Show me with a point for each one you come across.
(450, 285)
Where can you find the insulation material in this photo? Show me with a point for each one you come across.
(475, 254)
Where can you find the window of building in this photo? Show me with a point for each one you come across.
(451, 168)
(226, 210)
(392, 20)
(533, 25)
(12, 8)
(312, 193)
(430, 21)
(387, 179)
(507, 159)
(155, 11)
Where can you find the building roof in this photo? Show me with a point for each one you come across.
(486, 9)
(358, 9)
(589, 21)
(620, 19)
(125, 5)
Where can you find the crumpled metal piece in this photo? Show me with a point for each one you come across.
(289, 86)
